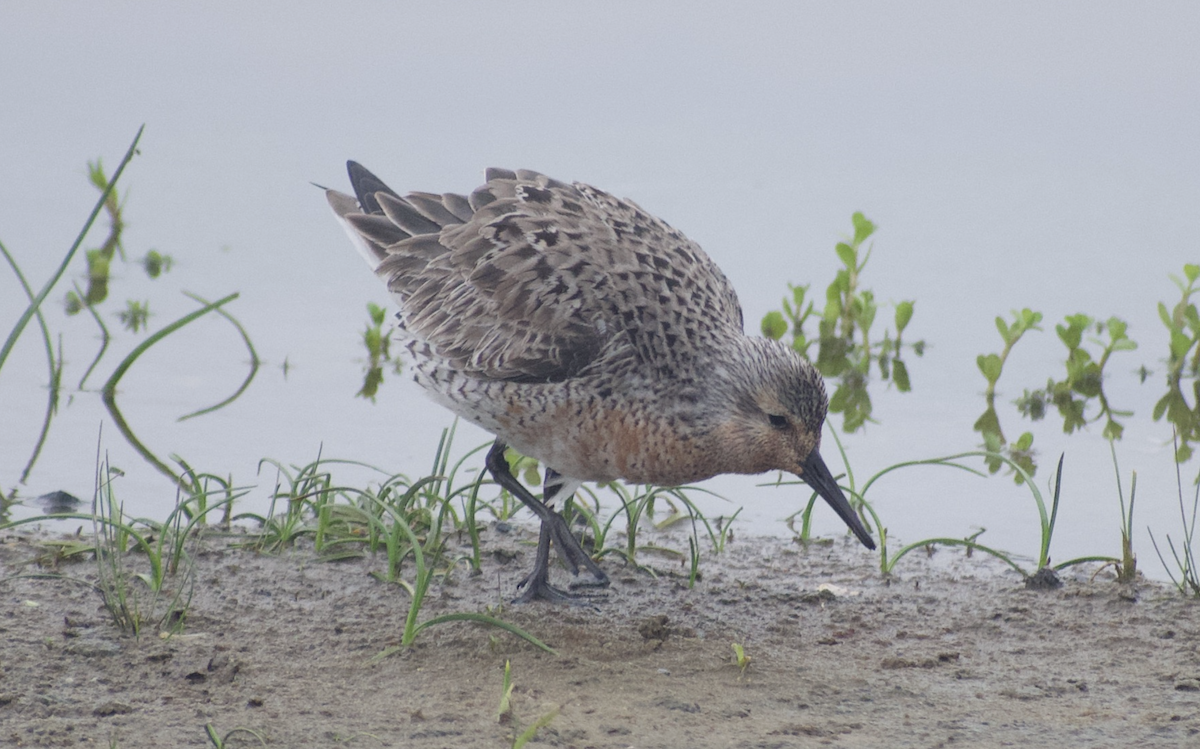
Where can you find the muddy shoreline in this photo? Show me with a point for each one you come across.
(951, 651)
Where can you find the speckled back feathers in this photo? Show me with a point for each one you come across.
(531, 279)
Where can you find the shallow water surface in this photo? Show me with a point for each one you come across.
(1057, 170)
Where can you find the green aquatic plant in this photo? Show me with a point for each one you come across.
(34, 308)
(1183, 362)
(992, 367)
(1047, 514)
(377, 341)
(1084, 381)
(846, 349)
(108, 391)
(135, 317)
(1072, 396)
(740, 659)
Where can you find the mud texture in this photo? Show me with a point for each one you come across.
(952, 651)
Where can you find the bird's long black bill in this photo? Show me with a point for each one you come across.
(817, 475)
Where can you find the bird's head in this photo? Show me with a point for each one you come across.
(779, 412)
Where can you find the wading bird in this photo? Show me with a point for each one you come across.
(589, 335)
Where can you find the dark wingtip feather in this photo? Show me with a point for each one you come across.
(365, 186)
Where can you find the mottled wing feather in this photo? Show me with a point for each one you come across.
(542, 279)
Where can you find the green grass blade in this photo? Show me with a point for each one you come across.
(36, 304)
(254, 362)
(1048, 530)
(105, 338)
(971, 545)
(109, 390)
(51, 409)
(1084, 560)
(490, 621)
(55, 366)
(110, 385)
(538, 725)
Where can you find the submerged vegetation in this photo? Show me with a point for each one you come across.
(847, 351)
(135, 318)
(427, 529)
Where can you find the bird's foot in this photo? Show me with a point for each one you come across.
(536, 587)
(572, 554)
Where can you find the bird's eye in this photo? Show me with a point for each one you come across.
(779, 422)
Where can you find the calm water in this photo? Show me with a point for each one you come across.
(1012, 156)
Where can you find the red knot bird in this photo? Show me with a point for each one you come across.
(587, 334)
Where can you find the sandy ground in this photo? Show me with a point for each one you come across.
(950, 652)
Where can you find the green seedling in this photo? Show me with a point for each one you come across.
(505, 715)
(504, 711)
(159, 595)
(123, 599)
(741, 659)
(1127, 569)
(423, 577)
(1186, 574)
(529, 733)
(220, 742)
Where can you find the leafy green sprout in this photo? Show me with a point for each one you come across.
(845, 347)
(1183, 325)
(1085, 377)
(992, 366)
(504, 711)
(740, 658)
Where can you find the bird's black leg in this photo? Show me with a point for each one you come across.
(555, 487)
(554, 528)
